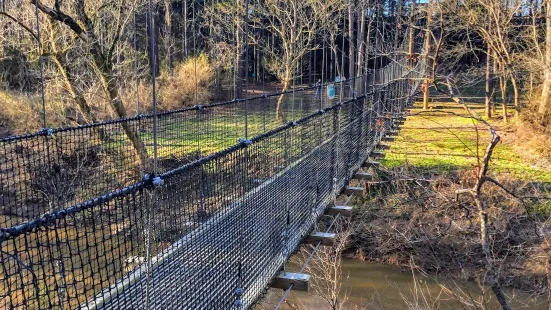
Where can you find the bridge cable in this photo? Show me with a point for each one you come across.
(41, 62)
(246, 69)
(136, 64)
(195, 52)
(153, 68)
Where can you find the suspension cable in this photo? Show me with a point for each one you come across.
(41, 62)
(136, 66)
(195, 51)
(153, 65)
(246, 69)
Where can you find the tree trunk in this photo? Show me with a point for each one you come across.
(546, 87)
(239, 61)
(184, 3)
(310, 68)
(516, 95)
(69, 80)
(503, 87)
(103, 66)
(361, 39)
(490, 268)
(168, 34)
(361, 43)
(279, 108)
(342, 46)
(351, 43)
(488, 82)
(426, 58)
(411, 39)
(425, 89)
(76, 95)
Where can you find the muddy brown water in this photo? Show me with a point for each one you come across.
(378, 286)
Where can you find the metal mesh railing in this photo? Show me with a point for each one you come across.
(55, 168)
(208, 233)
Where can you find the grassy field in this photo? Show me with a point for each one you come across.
(443, 141)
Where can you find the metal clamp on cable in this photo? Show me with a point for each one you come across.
(245, 142)
(321, 111)
(152, 180)
(239, 291)
(199, 107)
(47, 131)
(293, 124)
(139, 116)
(238, 303)
(157, 181)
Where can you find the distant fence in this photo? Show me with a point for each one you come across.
(206, 234)
(55, 168)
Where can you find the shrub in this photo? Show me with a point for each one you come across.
(17, 114)
(179, 90)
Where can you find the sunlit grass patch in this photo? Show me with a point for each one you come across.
(438, 139)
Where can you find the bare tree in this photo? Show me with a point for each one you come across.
(294, 24)
(326, 267)
(101, 51)
(545, 103)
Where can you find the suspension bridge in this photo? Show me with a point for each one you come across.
(90, 221)
(209, 234)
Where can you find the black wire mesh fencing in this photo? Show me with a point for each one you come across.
(55, 168)
(209, 233)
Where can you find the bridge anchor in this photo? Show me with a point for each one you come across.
(299, 281)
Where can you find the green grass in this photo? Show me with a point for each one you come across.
(435, 140)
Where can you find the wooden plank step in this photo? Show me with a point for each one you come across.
(383, 147)
(399, 123)
(356, 191)
(363, 176)
(378, 154)
(300, 281)
(327, 239)
(388, 139)
(370, 163)
(344, 211)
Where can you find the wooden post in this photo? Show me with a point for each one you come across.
(344, 211)
(326, 239)
(363, 176)
(369, 164)
(299, 281)
(354, 191)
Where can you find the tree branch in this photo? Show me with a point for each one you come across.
(63, 18)
(29, 30)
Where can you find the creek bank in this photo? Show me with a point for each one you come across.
(422, 226)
